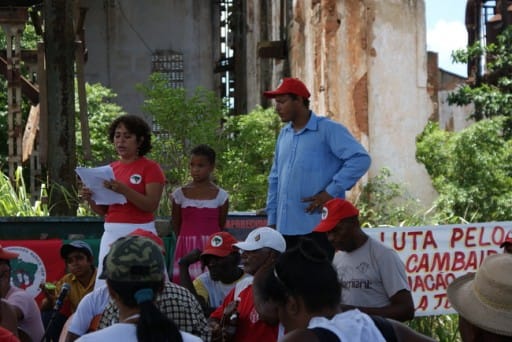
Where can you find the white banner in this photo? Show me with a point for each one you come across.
(435, 255)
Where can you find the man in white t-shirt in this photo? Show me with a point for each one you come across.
(372, 275)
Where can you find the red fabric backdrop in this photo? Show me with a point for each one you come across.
(39, 261)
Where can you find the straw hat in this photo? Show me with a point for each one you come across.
(484, 298)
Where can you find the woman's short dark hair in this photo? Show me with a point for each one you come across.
(303, 271)
(152, 324)
(135, 125)
(205, 151)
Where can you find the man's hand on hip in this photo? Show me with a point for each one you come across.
(317, 201)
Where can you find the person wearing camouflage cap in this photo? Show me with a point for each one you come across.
(134, 272)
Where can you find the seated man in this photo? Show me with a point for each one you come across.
(371, 274)
(236, 319)
(302, 292)
(483, 300)
(79, 261)
(26, 309)
(223, 263)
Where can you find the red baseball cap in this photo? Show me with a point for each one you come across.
(289, 85)
(333, 212)
(150, 235)
(6, 255)
(220, 244)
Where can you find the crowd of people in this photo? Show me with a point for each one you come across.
(312, 274)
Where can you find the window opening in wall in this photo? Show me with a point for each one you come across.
(225, 65)
(170, 65)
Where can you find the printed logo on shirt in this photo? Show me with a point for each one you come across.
(27, 270)
(254, 316)
(325, 213)
(135, 179)
(217, 241)
(356, 284)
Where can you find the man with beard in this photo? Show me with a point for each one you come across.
(372, 275)
(222, 260)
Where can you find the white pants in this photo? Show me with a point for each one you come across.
(114, 231)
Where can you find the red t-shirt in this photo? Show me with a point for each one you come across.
(7, 336)
(250, 327)
(136, 175)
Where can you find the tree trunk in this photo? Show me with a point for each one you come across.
(59, 41)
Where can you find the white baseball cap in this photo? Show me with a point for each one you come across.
(263, 237)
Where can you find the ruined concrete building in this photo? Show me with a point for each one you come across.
(365, 62)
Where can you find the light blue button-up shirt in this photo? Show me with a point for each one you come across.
(321, 156)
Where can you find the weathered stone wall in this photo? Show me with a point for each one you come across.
(122, 35)
(365, 63)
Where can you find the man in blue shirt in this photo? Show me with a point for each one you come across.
(316, 159)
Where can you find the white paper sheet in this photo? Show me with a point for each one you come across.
(93, 178)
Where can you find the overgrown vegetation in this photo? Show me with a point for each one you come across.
(182, 121)
(472, 169)
(16, 201)
(247, 158)
(101, 111)
(491, 93)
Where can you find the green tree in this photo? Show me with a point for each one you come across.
(101, 111)
(471, 170)
(246, 162)
(181, 121)
(490, 93)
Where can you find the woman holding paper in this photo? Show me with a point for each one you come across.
(137, 178)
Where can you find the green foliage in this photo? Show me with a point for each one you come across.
(246, 162)
(492, 93)
(101, 111)
(471, 170)
(182, 122)
(443, 328)
(385, 203)
(14, 199)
